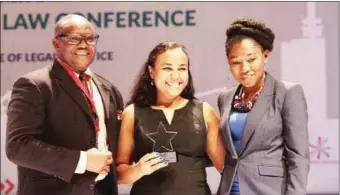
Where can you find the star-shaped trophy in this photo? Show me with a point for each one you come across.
(162, 143)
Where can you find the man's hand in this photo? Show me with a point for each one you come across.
(98, 162)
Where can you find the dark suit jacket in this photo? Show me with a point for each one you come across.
(49, 122)
(274, 155)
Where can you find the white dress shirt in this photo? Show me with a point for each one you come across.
(101, 135)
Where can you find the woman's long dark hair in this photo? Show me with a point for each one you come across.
(144, 93)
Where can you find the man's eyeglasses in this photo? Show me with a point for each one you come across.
(75, 39)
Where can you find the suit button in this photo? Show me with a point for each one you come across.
(91, 187)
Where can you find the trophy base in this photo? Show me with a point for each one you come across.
(171, 157)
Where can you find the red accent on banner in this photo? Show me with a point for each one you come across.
(7, 187)
(2, 186)
(11, 186)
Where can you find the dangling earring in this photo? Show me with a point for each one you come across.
(152, 82)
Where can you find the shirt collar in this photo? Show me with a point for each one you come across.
(87, 71)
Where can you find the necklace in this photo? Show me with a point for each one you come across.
(240, 105)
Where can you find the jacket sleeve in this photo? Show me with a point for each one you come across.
(25, 145)
(119, 105)
(118, 98)
(295, 134)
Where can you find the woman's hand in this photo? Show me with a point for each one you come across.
(150, 163)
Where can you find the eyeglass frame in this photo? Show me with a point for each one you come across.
(83, 37)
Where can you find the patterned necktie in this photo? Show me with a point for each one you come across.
(85, 79)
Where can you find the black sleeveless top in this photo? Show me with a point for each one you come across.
(186, 136)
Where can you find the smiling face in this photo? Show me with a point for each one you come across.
(246, 60)
(77, 56)
(170, 73)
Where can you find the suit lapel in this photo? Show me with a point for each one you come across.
(104, 92)
(257, 112)
(71, 88)
(225, 123)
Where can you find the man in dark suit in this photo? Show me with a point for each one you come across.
(63, 120)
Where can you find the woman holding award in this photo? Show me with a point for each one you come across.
(166, 131)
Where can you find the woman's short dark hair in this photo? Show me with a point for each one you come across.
(144, 93)
(243, 28)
